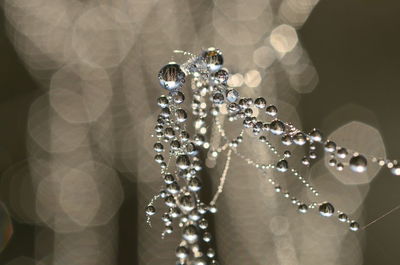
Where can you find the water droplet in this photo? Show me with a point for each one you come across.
(271, 110)
(326, 209)
(232, 95)
(330, 146)
(303, 208)
(150, 210)
(354, 226)
(171, 76)
(277, 127)
(343, 217)
(358, 164)
(316, 135)
(299, 138)
(213, 58)
(183, 162)
(282, 165)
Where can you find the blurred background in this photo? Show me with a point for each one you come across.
(77, 106)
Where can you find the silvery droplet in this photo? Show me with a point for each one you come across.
(354, 226)
(332, 162)
(233, 107)
(183, 162)
(158, 147)
(342, 153)
(212, 209)
(207, 237)
(303, 208)
(194, 184)
(248, 112)
(171, 76)
(260, 103)
(339, 166)
(213, 58)
(184, 136)
(181, 115)
(158, 158)
(232, 95)
(271, 110)
(150, 210)
(190, 233)
(203, 224)
(218, 98)
(312, 155)
(197, 165)
(221, 76)
(194, 215)
(165, 112)
(299, 138)
(305, 161)
(162, 101)
(282, 165)
(326, 209)
(343, 217)
(316, 135)
(165, 218)
(210, 253)
(182, 252)
(330, 146)
(168, 229)
(169, 132)
(277, 127)
(175, 212)
(170, 201)
(202, 208)
(169, 179)
(186, 203)
(287, 154)
(191, 149)
(173, 188)
(178, 97)
(286, 139)
(358, 163)
(175, 145)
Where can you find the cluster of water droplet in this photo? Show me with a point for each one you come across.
(177, 152)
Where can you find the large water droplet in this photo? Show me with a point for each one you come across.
(171, 76)
(326, 209)
(282, 165)
(358, 164)
(277, 127)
